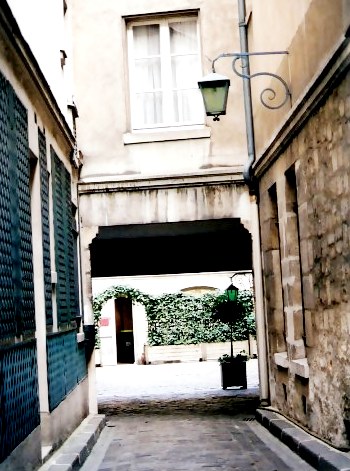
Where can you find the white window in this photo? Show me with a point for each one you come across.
(164, 66)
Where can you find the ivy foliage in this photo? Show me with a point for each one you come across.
(180, 319)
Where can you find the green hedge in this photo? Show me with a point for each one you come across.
(180, 319)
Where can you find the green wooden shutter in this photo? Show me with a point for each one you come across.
(45, 221)
(16, 270)
(64, 241)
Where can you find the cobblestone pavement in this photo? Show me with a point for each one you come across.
(177, 417)
(167, 379)
(189, 443)
(174, 387)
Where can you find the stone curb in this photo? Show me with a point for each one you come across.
(74, 451)
(315, 452)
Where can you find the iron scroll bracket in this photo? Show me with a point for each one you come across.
(267, 93)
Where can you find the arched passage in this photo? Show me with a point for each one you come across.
(164, 248)
(177, 247)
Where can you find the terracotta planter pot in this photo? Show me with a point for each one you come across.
(234, 373)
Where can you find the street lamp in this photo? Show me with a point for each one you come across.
(214, 87)
(232, 293)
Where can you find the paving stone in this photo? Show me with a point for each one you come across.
(310, 451)
(179, 427)
(318, 454)
(292, 437)
(189, 442)
(152, 426)
(60, 467)
(334, 461)
(276, 427)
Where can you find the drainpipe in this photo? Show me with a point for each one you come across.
(248, 175)
(243, 39)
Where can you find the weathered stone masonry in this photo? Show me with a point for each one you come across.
(306, 257)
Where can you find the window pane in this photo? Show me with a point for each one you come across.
(164, 75)
(146, 40)
(188, 106)
(147, 74)
(148, 109)
(183, 37)
(185, 71)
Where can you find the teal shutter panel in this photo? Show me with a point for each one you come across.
(25, 280)
(67, 302)
(19, 411)
(16, 270)
(7, 311)
(45, 221)
(66, 365)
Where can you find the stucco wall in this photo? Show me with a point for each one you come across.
(310, 31)
(28, 451)
(65, 418)
(102, 94)
(153, 205)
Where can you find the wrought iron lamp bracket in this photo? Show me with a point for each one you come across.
(243, 56)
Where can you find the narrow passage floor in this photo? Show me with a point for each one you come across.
(189, 442)
(178, 418)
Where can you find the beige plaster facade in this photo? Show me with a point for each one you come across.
(154, 175)
(109, 147)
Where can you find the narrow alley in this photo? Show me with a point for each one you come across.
(177, 417)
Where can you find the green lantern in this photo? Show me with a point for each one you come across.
(232, 292)
(214, 89)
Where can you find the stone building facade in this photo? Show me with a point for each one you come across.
(303, 187)
(159, 178)
(305, 207)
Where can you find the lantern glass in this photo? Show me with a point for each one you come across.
(232, 293)
(214, 89)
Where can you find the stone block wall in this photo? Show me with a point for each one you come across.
(305, 237)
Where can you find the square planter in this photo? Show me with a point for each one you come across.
(234, 373)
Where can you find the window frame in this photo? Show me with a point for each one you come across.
(166, 70)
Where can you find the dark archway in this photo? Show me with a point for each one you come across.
(171, 248)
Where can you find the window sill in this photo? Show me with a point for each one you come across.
(298, 367)
(168, 134)
(281, 360)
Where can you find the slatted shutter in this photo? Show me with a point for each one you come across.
(25, 280)
(7, 310)
(16, 269)
(67, 307)
(45, 218)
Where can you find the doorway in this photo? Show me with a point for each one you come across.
(124, 330)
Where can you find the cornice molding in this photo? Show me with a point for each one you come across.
(231, 176)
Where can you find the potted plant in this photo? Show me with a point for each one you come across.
(234, 370)
(228, 309)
